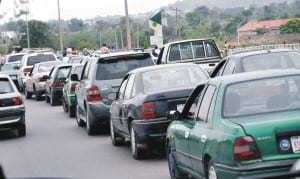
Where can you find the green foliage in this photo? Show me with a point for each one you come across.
(261, 31)
(292, 26)
(193, 19)
(75, 25)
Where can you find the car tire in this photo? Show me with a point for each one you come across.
(211, 170)
(52, 100)
(90, 128)
(116, 139)
(28, 95)
(47, 99)
(79, 121)
(173, 169)
(22, 130)
(65, 106)
(37, 94)
(72, 111)
(136, 152)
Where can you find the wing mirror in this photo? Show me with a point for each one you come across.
(74, 77)
(16, 67)
(173, 115)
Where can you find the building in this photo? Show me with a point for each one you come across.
(272, 27)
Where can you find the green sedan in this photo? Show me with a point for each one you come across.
(69, 100)
(244, 125)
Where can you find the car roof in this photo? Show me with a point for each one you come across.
(63, 65)
(189, 40)
(38, 53)
(258, 52)
(15, 54)
(3, 75)
(49, 62)
(255, 75)
(157, 67)
(113, 54)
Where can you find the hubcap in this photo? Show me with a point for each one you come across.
(132, 141)
(212, 173)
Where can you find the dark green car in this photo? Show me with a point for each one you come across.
(69, 98)
(244, 125)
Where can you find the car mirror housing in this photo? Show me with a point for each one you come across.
(173, 115)
(74, 77)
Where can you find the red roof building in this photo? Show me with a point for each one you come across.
(272, 25)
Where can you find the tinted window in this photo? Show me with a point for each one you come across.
(63, 72)
(40, 58)
(229, 68)
(46, 67)
(186, 51)
(78, 71)
(117, 67)
(129, 87)
(15, 58)
(174, 53)
(122, 89)
(198, 49)
(171, 78)
(271, 61)
(211, 50)
(5, 86)
(205, 103)
(262, 96)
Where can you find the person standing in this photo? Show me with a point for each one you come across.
(104, 49)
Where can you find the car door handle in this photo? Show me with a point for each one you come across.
(203, 138)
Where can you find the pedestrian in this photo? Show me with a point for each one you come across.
(226, 47)
(104, 49)
(65, 58)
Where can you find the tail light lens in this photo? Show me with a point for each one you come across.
(58, 84)
(17, 100)
(26, 70)
(93, 94)
(148, 110)
(73, 87)
(245, 148)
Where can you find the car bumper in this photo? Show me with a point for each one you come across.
(11, 117)
(150, 130)
(257, 170)
(40, 87)
(72, 100)
(99, 113)
(57, 93)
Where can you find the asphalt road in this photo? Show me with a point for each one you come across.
(55, 147)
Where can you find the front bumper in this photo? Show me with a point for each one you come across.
(257, 170)
(12, 117)
(151, 129)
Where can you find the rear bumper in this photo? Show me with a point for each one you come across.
(57, 93)
(40, 87)
(150, 130)
(99, 113)
(12, 117)
(257, 170)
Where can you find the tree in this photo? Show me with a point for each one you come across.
(292, 26)
(193, 19)
(75, 25)
(261, 31)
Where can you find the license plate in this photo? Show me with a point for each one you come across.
(180, 107)
(295, 144)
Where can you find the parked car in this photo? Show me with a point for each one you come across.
(69, 100)
(14, 57)
(12, 69)
(102, 76)
(144, 97)
(29, 60)
(12, 109)
(77, 59)
(55, 83)
(243, 125)
(35, 82)
(200, 51)
(257, 60)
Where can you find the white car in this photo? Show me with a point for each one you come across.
(14, 57)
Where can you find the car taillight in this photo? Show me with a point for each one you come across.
(58, 84)
(245, 148)
(26, 70)
(17, 100)
(93, 94)
(73, 87)
(148, 110)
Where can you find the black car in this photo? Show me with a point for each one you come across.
(12, 109)
(257, 60)
(143, 99)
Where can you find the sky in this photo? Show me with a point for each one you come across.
(82, 9)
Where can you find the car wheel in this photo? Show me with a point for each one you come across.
(136, 152)
(116, 140)
(65, 106)
(80, 123)
(211, 170)
(28, 95)
(72, 111)
(52, 100)
(91, 130)
(37, 95)
(173, 170)
(47, 99)
(22, 130)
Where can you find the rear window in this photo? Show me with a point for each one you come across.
(277, 60)
(172, 78)
(63, 72)
(117, 67)
(46, 67)
(5, 86)
(262, 96)
(40, 58)
(14, 58)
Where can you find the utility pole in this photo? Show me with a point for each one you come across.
(116, 40)
(127, 27)
(122, 42)
(27, 28)
(60, 29)
(176, 17)
(137, 36)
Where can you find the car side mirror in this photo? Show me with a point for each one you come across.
(16, 67)
(45, 77)
(112, 96)
(74, 77)
(173, 115)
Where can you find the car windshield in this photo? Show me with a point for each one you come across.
(271, 61)
(10, 66)
(117, 67)
(172, 78)
(40, 58)
(15, 58)
(262, 96)
(5, 86)
(63, 72)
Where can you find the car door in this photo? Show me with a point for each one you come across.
(200, 130)
(29, 80)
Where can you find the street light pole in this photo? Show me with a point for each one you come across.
(127, 27)
(60, 29)
(27, 28)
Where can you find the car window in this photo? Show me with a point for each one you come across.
(78, 71)
(63, 72)
(211, 50)
(129, 87)
(198, 49)
(117, 67)
(205, 103)
(174, 54)
(5, 86)
(40, 58)
(122, 89)
(186, 51)
(86, 70)
(229, 67)
(14, 58)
